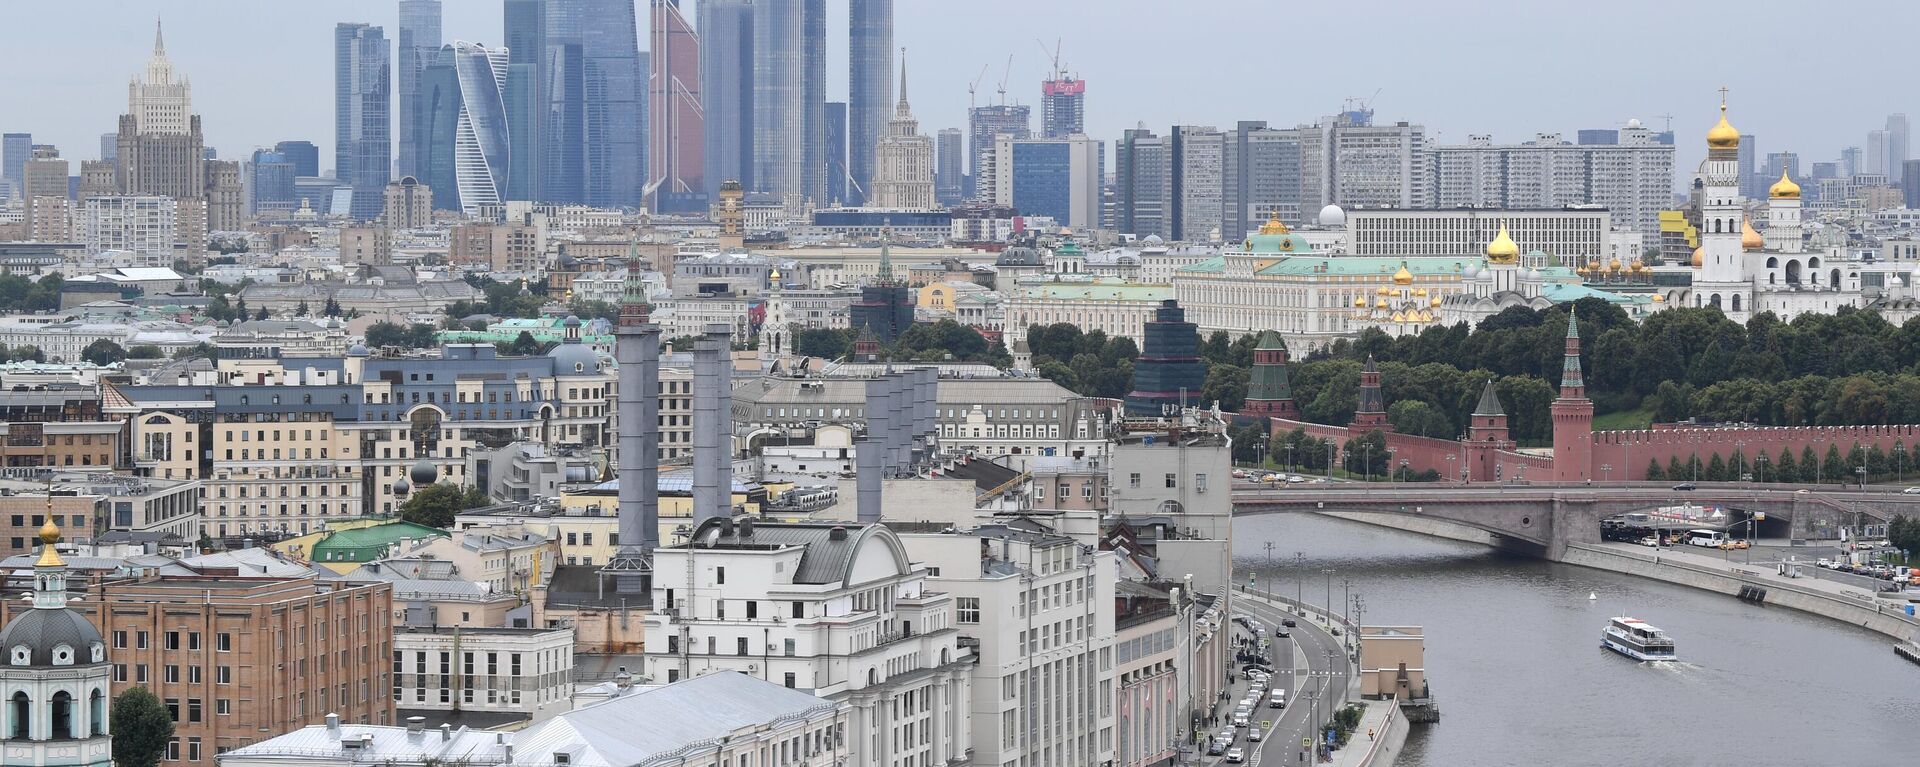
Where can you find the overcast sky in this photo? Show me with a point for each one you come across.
(1810, 78)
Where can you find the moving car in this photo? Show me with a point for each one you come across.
(1255, 735)
(1236, 756)
(1278, 699)
(1288, 622)
(1685, 486)
(1911, 491)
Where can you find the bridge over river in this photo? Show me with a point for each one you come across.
(1542, 518)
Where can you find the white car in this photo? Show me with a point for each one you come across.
(1911, 491)
(1236, 755)
(1255, 735)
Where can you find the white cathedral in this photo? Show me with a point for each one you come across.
(1744, 273)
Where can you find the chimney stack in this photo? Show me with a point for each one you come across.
(722, 334)
(333, 726)
(899, 424)
(637, 350)
(870, 453)
(712, 473)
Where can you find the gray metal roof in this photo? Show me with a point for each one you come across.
(43, 629)
(672, 719)
(824, 560)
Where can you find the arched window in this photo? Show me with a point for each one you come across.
(62, 715)
(20, 714)
(97, 712)
(1736, 302)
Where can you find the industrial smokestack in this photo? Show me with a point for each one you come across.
(869, 454)
(722, 335)
(880, 419)
(709, 497)
(637, 350)
(900, 425)
(928, 412)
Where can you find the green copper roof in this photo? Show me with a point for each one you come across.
(1269, 382)
(1214, 265)
(1271, 340)
(1489, 401)
(1101, 292)
(365, 544)
(1288, 243)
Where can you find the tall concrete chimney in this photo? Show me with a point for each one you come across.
(870, 454)
(709, 496)
(722, 335)
(901, 424)
(928, 412)
(637, 350)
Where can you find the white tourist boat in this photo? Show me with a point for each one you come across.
(1637, 639)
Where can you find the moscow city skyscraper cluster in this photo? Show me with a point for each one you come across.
(568, 110)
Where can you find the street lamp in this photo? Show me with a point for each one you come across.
(1862, 471)
(1760, 466)
(1366, 461)
(1390, 453)
(1299, 582)
(1406, 474)
(1739, 458)
(1450, 458)
(1269, 568)
(1329, 573)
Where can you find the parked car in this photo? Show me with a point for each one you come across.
(1685, 486)
(1239, 473)
(1236, 756)
(1282, 632)
(1216, 747)
(1255, 735)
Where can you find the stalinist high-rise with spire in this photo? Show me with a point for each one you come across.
(903, 160)
(159, 145)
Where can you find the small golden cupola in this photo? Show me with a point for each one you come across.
(1723, 135)
(49, 556)
(1750, 239)
(1784, 189)
(1403, 277)
(1503, 250)
(1699, 257)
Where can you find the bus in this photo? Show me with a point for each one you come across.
(1710, 539)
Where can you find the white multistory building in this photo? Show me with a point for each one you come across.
(836, 609)
(1632, 178)
(140, 225)
(1040, 608)
(505, 670)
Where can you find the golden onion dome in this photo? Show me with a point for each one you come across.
(1723, 135)
(1380, 303)
(1382, 290)
(1421, 292)
(49, 535)
(1699, 257)
(1659, 298)
(1750, 239)
(1638, 265)
(1403, 277)
(1614, 265)
(1359, 302)
(1274, 225)
(1434, 302)
(1503, 250)
(1784, 189)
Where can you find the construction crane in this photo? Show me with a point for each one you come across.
(1055, 71)
(1003, 80)
(1669, 119)
(975, 85)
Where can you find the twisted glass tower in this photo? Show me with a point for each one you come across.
(466, 144)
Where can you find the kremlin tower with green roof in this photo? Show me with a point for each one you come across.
(1269, 393)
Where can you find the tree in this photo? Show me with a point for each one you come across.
(1225, 384)
(1835, 468)
(202, 350)
(1654, 474)
(300, 310)
(524, 345)
(1716, 470)
(141, 728)
(415, 336)
(332, 308)
(103, 352)
(146, 352)
(1367, 454)
(263, 314)
(435, 505)
(1415, 417)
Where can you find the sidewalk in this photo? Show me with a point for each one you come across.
(1718, 561)
(1389, 733)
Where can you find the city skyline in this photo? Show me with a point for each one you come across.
(1509, 101)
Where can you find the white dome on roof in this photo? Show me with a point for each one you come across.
(1633, 123)
(1332, 215)
(1472, 271)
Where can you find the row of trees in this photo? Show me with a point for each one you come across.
(19, 294)
(940, 341)
(436, 505)
(1090, 364)
(1806, 466)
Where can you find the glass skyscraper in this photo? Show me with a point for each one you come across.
(727, 92)
(303, 154)
(272, 183)
(419, 43)
(525, 25)
(870, 88)
(363, 152)
(465, 147)
(587, 119)
(836, 153)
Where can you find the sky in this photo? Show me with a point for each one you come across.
(1809, 78)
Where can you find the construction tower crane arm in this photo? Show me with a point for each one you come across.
(1003, 79)
(975, 85)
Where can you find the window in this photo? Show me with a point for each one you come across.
(1199, 483)
(1133, 480)
(789, 680)
(223, 707)
(224, 642)
(968, 609)
(719, 575)
(740, 646)
(1173, 480)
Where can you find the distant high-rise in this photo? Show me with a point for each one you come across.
(1197, 161)
(1141, 183)
(870, 88)
(1852, 162)
(419, 44)
(1752, 185)
(1063, 106)
(303, 154)
(813, 98)
(949, 176)
(109, 146)
(590, 99)
(464, 149)
(780, 89)
(271, 187)
(160, 149)
(984, 125)
(1632, 176)
(727, 92)
(903, 161)
(1897, 148)
(836, 153)
(1055, 177)
(1877, 154)
(1910, 191)
(362, 123)
(1262, 179)
(525, 25)
(675, 143)
(15, 150)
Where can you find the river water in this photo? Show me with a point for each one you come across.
(1513, 658)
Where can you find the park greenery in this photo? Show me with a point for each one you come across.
(141, 728)
(436, 505)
